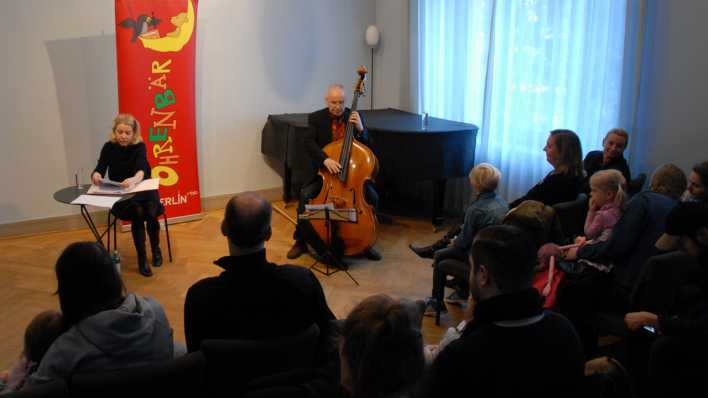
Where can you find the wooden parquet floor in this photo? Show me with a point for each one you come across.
(27, 282)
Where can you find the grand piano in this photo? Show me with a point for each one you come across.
(406, 144)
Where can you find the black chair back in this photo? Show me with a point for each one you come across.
(233, 364)
(572, 216)
(53, 389)
(303, 382)
(183, 376)
(662, 287)
(635, 186)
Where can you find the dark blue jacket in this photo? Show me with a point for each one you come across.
(633, 237)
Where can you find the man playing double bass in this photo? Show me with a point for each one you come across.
(327, 125)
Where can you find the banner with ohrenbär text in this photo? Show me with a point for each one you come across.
(155, 45)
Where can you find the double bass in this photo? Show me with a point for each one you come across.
(344, 191)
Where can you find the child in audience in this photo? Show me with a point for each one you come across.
(39, 335)
(381, 348)
(607, 197)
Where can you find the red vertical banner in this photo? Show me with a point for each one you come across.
(155, 44)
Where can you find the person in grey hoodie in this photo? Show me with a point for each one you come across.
(106, 328)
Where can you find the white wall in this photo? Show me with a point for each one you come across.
(391, 59)
(59, 94)
(673, 113)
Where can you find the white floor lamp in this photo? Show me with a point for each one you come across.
(372, 40)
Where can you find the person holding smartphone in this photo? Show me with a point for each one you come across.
(673, 307)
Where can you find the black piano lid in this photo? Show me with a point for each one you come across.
(397, 121)
(293, 119)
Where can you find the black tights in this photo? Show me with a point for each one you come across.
(140, 213)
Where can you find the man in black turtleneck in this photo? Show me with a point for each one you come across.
(325, 126)
(253, 298)
(511, 347)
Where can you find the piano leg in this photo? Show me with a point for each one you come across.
(287, 183)
(438, 201)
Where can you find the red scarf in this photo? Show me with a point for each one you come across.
(338, 127)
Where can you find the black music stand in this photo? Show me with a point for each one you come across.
(324, 249)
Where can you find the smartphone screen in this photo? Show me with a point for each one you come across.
(649, 329)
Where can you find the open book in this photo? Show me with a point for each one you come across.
(108, 187)
(106, 181)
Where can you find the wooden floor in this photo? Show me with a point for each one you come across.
(27, 282)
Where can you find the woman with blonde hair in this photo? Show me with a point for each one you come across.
(124, 159)
(611, 157)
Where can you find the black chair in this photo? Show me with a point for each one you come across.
(635, 185)
(675, 290)
(233, 365)
(572, 216)
(54, 389)
(678, 364)
(113, 222)
(305, 382)
(182, 376)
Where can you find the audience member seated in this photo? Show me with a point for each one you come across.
(627, 249)
(39, 336)
(563, 183)
(381, 348)
(540, 222)
(607, 199)
(106, 329)
(606, 203)
(611, 157)
(697, 184)
(487, 209)
(253, 298)
(511, 347)
(673, 300)
(686, 231)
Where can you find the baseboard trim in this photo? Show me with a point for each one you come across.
(75, 221)
(51, 224)
(219, 201)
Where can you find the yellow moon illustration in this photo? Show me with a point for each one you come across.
(173, 44)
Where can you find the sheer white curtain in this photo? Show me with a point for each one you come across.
(521, 68)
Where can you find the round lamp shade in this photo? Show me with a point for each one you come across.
(372, 36)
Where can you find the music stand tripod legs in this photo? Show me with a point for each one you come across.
(328, 257)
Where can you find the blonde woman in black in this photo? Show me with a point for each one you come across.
(123, 159)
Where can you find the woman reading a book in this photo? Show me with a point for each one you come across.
(124, 158)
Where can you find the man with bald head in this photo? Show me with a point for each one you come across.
(253, 298)
(327, 125)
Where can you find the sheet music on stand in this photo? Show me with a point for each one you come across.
(317, 212)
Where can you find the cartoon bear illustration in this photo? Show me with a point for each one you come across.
(178, 20)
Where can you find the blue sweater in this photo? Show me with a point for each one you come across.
(633, 237)
(488, 209)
